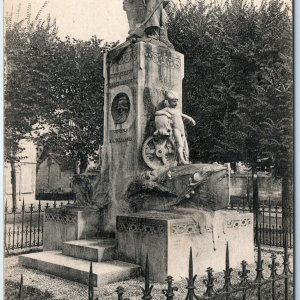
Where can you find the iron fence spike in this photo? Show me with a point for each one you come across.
(91, 283)
(191, 271)
(227, 257)
(21, 292)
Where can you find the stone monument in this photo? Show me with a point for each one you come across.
(149, 191)
(148, 194)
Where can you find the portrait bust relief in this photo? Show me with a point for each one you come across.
(120, 108)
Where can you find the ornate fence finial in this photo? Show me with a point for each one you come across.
(120, 291)
(209, 283)
(259, 265)
(91, 283)
(227, 273)
(169, 293)
(148, 289)
(244, 274)
(191, 280)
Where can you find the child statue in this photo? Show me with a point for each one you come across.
(169, 121)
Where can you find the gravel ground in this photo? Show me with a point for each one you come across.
(65, 289)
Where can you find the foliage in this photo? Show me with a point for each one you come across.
(238, 76)
(77, 93)
(27, 48)
(53, 88)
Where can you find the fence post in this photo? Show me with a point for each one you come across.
(30, 225)
(263, 222)
(286, 270)
(244, 277)
(148, 289)
(39, 221)
(120, 291)
(191, 279)
(273, 268)
(259, 272)
(91, 283)
(169, 293)
(14, 227)
(227, 274)
(276, 225)
(255, 199)
(21, 292)
(248, 195)
(209, 283)
(270, 223)
(22, 232)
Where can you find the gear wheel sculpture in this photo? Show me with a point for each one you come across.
(159, 152)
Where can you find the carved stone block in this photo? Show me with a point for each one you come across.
(167, 237)
(67, 224)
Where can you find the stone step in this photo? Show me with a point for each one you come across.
(93, 250)
(55, 263)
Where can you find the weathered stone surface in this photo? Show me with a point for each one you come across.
(93, 250)
(53, 262)
(143, 72)
(195, 185)
(167, 237)
(82, 188)
(69, 223)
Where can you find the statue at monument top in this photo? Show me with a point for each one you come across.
(173, 125)
(147, 19)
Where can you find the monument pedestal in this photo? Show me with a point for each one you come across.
(136, 80)
(69, 223)
(167, 237)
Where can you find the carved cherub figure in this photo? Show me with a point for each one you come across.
(173, 124)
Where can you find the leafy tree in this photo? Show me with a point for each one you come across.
(77, 93)
(238, 64)
(27, 44)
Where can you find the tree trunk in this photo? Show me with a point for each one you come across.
(83, 164)
(13, 184)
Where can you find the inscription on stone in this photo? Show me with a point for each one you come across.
(121, 78)
(120, 136)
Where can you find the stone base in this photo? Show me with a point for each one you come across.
(55, 263)
(68, 224)
(167, 237)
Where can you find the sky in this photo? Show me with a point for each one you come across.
(82, 19)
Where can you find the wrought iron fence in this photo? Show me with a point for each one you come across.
(270, 228)
(259, 288)
(24, 227)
